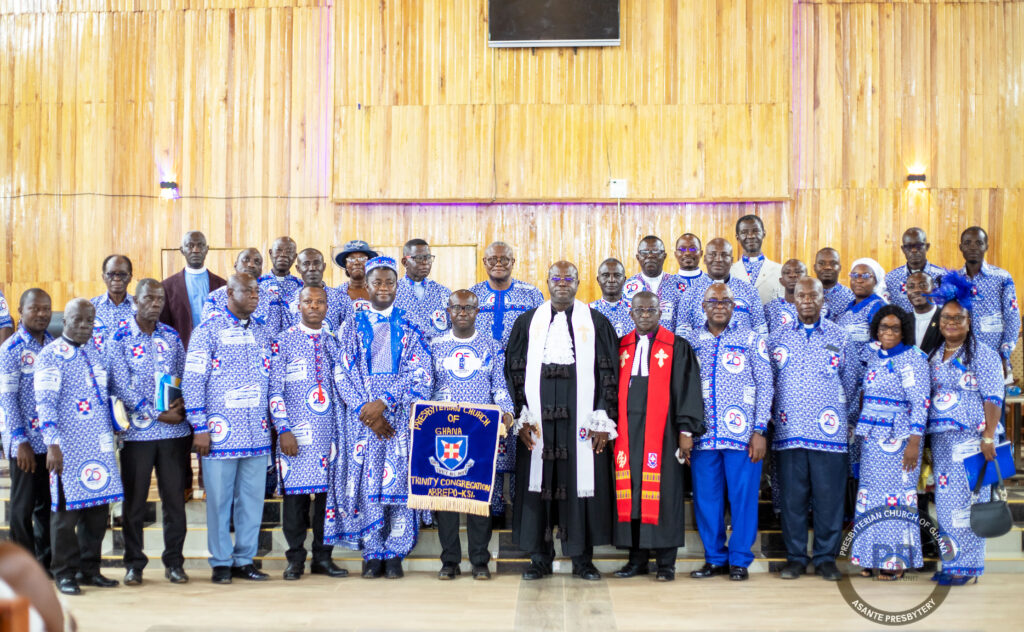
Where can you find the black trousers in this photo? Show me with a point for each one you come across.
(77, 538)
(812, 479)
(478, 532)
(546, 557)
(30, 509)
(172, 460)
(295, 522)
(665, 557)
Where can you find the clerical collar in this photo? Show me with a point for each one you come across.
(189, 270)
(690, 274)
(759, 257)
(280, 278)
(383, 312)
(414, 282)
(912, 271)
(310, 330)
(70, 341)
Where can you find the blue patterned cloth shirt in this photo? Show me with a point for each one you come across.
(896, 284)
(959, 392)
(136, 359)
(339, 309)
(748, 312)
(752, 266)
(995, 315)
(270, 308)
(304, 401)
(670, 291)
(5, 313)
(811, 386)
(499, 309)
(896, 393)
(110, 317)
(431, 310)
(225, 385)
(18, 420)
(73, 404)
(838, 298)
(286, 288)
(780, 313)
(617, 314)
(737, 384)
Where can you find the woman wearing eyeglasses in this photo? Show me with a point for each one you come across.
(967, 398)
(892, 421)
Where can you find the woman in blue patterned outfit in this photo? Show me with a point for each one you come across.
(892, 421)
(967, 398)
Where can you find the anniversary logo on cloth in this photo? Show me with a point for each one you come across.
(452, 456)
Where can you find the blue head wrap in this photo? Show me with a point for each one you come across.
(954, 286)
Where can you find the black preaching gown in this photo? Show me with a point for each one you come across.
(580, 522)
(685, 412)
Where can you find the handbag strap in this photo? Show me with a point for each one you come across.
(981, 477)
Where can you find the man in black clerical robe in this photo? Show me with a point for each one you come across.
(560, 370)
(660, 410)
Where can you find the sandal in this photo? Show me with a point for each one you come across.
(890, 576)
(866, 573)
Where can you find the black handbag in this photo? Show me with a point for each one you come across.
(993, 518)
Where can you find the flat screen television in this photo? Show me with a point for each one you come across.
(530, 23)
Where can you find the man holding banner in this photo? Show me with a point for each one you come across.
(560, 366)
(468, 369)
(660, 410)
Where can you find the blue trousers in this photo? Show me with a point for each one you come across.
(715, 474)
(238, 485)
(812, 480)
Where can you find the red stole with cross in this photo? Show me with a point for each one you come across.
(658, 391)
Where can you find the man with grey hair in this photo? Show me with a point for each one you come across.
(187, 290)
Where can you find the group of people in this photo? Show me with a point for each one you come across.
(613, 406)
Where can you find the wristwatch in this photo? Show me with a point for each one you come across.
(987, 440)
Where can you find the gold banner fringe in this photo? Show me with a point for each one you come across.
(460, 505)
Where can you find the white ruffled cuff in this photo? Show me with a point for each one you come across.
(600, 422)
(526, 418)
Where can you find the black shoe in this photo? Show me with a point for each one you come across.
(665, 575)
(221, 575)
(294, 571)
(133, 577)
(588, 572)
(249, 572)
(96, 580)
(792, 570)
(449, 571)
(393, 568)
(328, 568)
(632, 570)
(372, 569)
(828, 571)
(709, 570)
(176, 575)
(68, 586)
(535, 571)
(481, 572)
(738, 573)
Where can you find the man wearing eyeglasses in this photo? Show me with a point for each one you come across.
(611, 275)
(469, 368)
(748, 310)
(737, 381)
(116, 306)
(753, 266)
(650, 254)
(421, 297)
(915, 250)
(689, 252)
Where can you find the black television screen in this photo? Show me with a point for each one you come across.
(528, 23)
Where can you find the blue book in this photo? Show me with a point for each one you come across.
(168, 389)
(1007, 467)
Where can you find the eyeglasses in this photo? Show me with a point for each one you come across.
(650, 253)
(497, 261)
(463, 309)
(356, 258)
(862, 275)
(311, 265)
(117, 276)
(645, 311)
(422, 258)
(890, 329)
(382, 283)
(688, 250)
(714, 303)
(557, 280)
(957, 319)
(914, 247)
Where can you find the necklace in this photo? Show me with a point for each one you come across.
(950, 351)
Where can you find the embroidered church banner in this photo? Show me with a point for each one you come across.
(452, 456)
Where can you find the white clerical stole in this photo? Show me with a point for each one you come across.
(640, 359)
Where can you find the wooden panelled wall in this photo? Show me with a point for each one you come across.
(268, 111)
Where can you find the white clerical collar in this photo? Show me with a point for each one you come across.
(189, 270)
(280, 279)
(310, 330)
(386, 313)
(690, 274)
(640, 361)
(654, 282)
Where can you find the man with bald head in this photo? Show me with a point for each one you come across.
(469, 368)
(650, 254)
(186, 291)
(116, 306)
(813, 360)
(781, 311)
(22, 443)
(838, 297)
(311, 265)
(915, 250)
(73, 405)
(225, 390)
(560, 366)
(611, 275)
(748, 312)
(270, 309)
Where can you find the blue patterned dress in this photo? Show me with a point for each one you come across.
(617, 314)
(383, 357)
(955, 422)
(18, 420)
(896, 399)
(838, 298)
(73, 404)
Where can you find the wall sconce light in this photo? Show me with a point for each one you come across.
(916, 177)
(169, 190)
